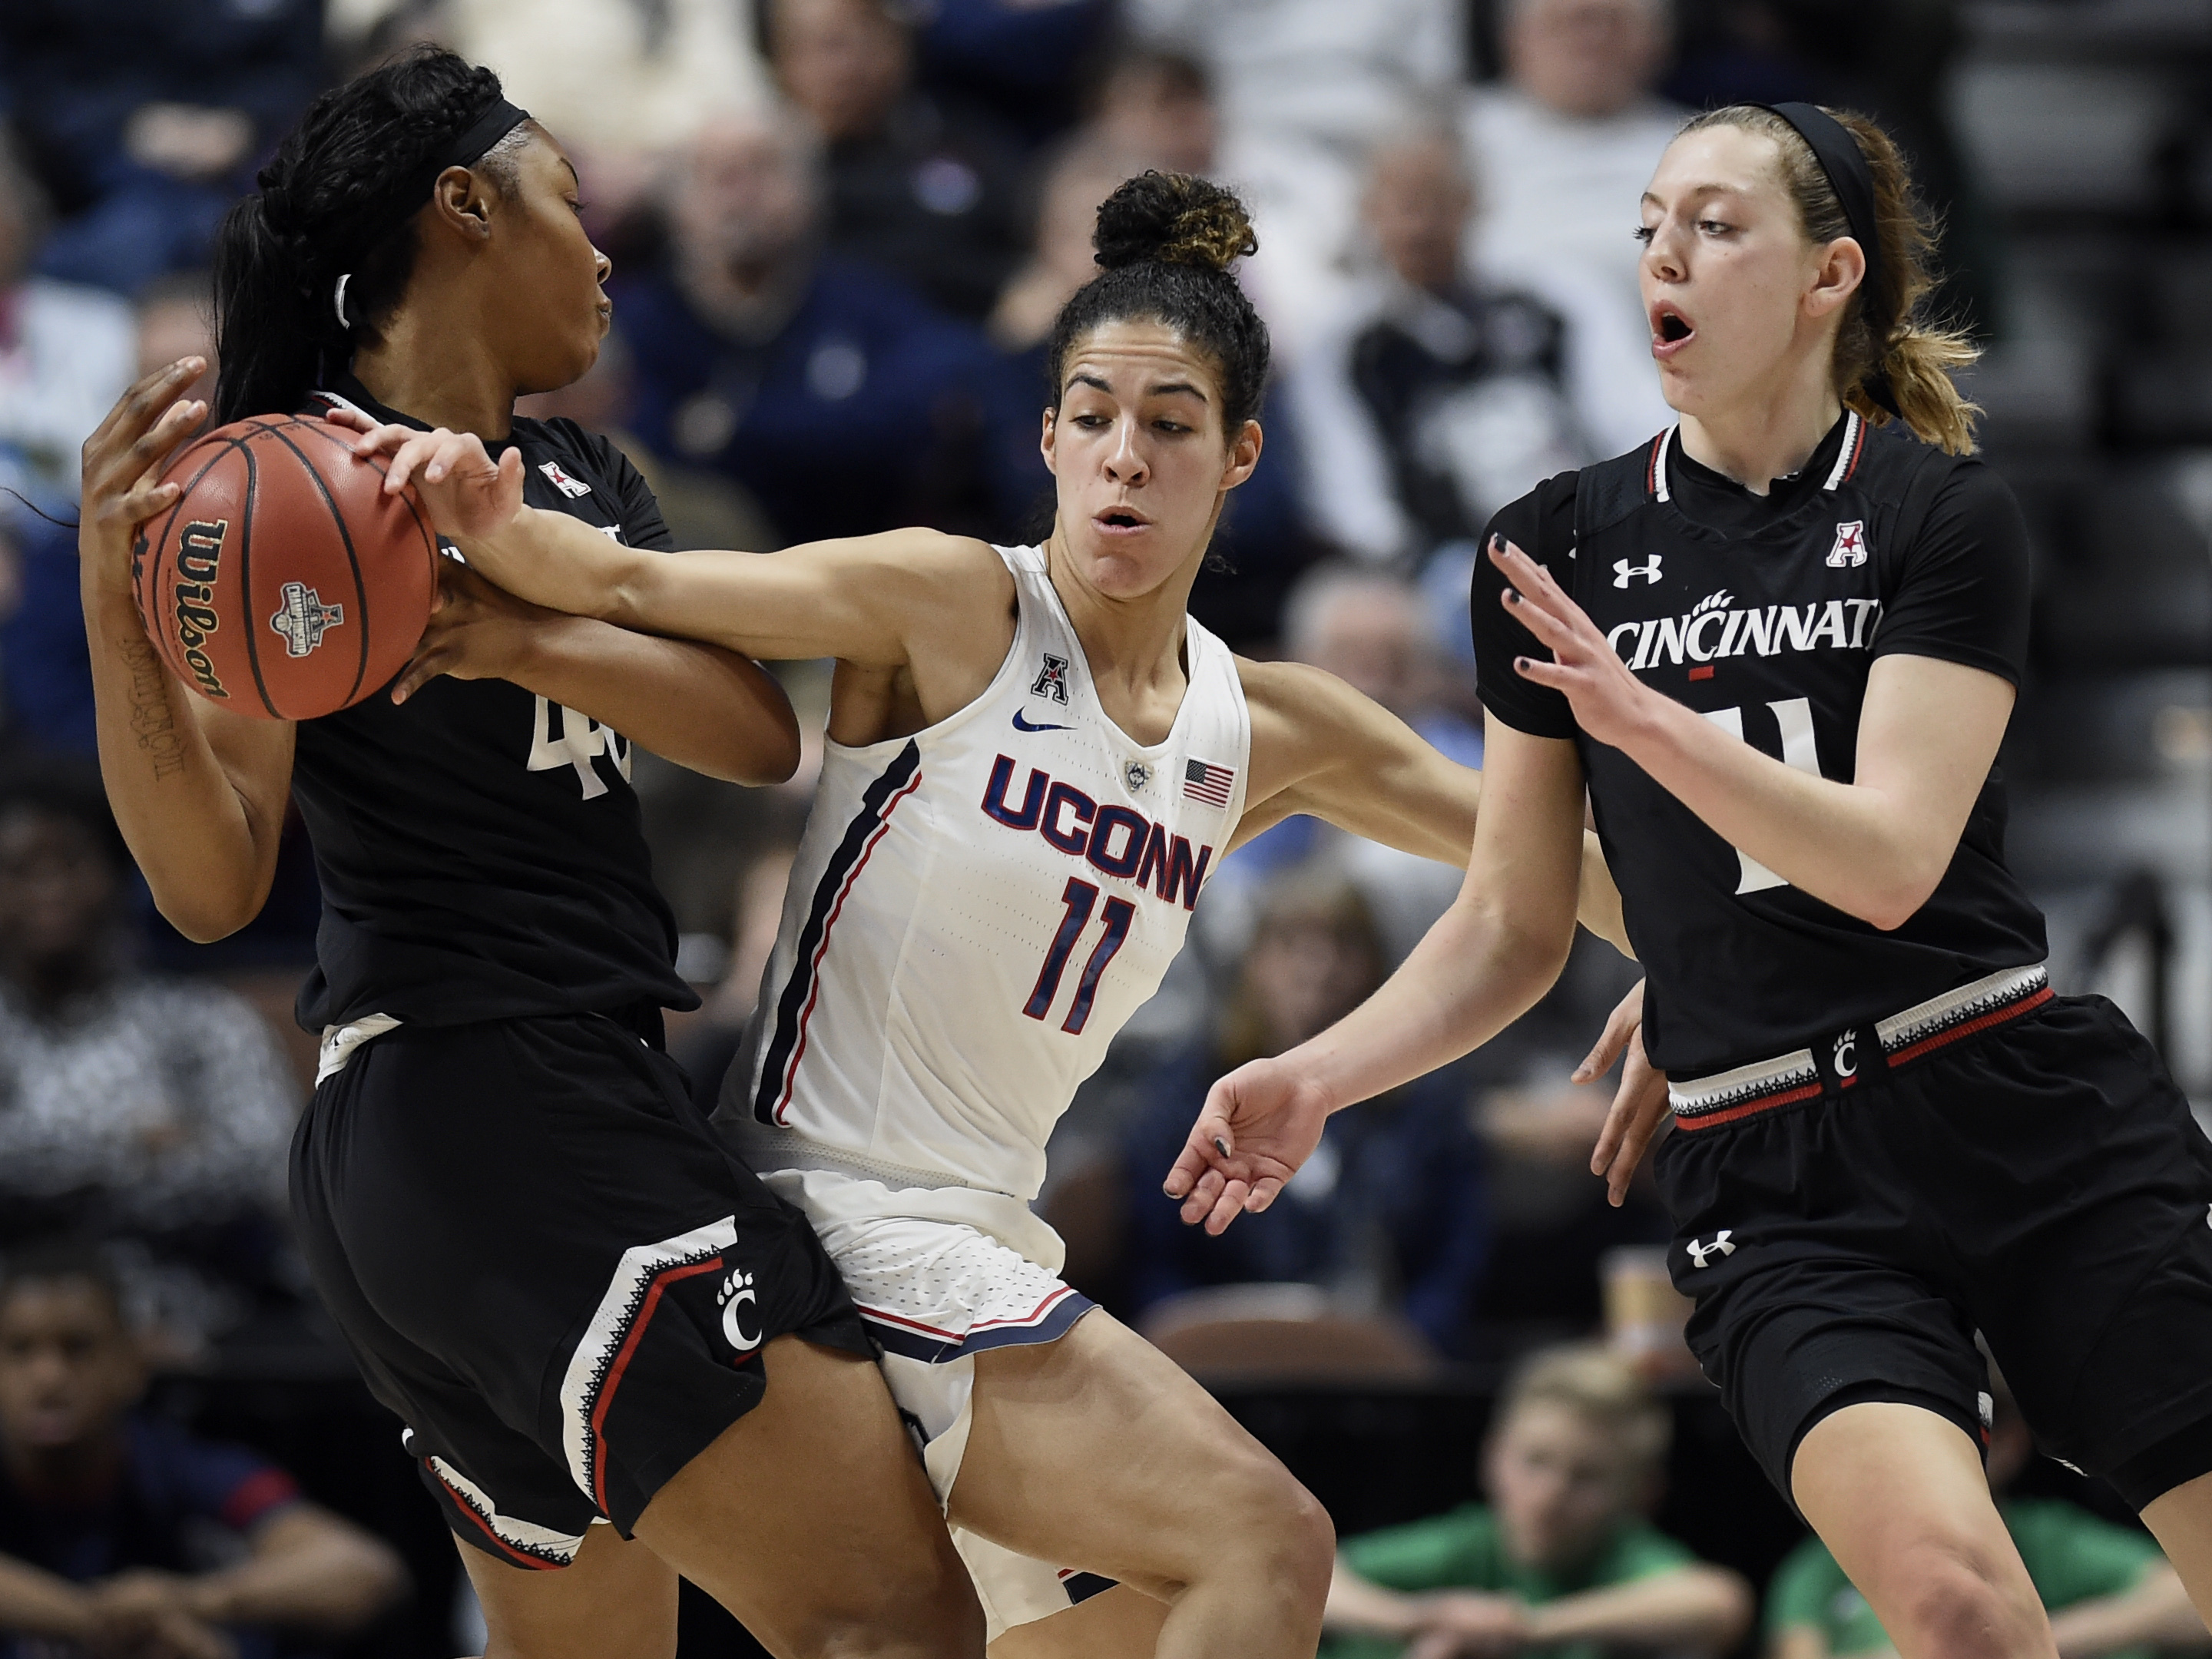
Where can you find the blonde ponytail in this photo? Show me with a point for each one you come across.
(1885, 343)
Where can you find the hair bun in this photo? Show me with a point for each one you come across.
(1176, 219)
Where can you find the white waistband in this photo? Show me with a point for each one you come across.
(766, 1147)
(339, 1042)
(1698, 1095)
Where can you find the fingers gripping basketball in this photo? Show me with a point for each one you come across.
(285, 583)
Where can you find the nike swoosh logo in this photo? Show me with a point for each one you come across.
(1021, 725)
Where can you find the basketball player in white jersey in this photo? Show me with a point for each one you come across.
(1035, 759)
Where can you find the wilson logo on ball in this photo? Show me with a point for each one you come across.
(303, 617)
(199, 561)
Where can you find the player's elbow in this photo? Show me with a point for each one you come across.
(204, 914)
(1897, 897)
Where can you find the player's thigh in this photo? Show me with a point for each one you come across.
(2181, 1521)
(1099, 1452)
(810, 1519)
(1122, 1623)
(1898, 1493)
(616, 1600)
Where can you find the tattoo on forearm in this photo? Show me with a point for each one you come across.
(152, 719)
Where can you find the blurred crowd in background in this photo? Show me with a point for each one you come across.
(840, 230)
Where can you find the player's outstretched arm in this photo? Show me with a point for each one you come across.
(1874, 847)
(1320, 747)
(862, 600)
(199, 795)
(1484, 962)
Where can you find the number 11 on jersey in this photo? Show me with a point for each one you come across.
(1795, 716)
(1081, 898)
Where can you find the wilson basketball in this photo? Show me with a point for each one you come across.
(285, 583)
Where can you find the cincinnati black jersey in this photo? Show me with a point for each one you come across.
(480, 848)
(1765, 615)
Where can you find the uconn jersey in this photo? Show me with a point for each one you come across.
(1765, 615)
(978, 909)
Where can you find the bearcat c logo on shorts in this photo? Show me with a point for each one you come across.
(303, 617)
(199, 555)
(739, 1301)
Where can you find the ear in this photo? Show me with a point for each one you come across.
(1841, 268)
(1047, 438)
(461, 201)
(1244, 456)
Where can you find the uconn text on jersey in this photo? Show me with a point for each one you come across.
(1116, 841)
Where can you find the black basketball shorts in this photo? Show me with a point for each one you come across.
(2040, 1181)
(552, 1270)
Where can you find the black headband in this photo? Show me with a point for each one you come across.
(401, 202)
(1852, 179)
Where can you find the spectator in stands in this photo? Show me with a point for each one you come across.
(1560, 1563)
(1305, 86)
(1158, 104)
(625, 85)
(113, 1525)
(709, 1044)
(2109, 1592)
(1372, 630)
(830, 391)
(918, 187)
(65, 348)
(45, 666)
(1562, 150)
(148, 115)
(1444, 396)
(159, 1110)
(1020, 57)
(1387, 1213)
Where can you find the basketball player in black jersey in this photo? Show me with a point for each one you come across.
(582, 1307)
(1780, 645)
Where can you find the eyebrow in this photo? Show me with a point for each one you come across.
(573, 174)
(1162, 389)
(1696, 191)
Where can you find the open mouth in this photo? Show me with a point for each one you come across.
(1121, 519)
(1668, 326)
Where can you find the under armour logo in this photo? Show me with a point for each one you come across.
(1622, 570)
(1720, 1246)
(1847, 1054)
(302, 617)
(1851, 547)
(1051, 680)
(737, 1291)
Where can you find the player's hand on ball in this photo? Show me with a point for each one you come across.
(1258, 1125)
(477, 632)
(469, 496)
(1608, 702)
(122, 461)
(1639, 1104)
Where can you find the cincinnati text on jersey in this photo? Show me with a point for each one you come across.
(1712, 629)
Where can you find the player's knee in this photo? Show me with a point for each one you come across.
(911, 1615)
(1952, 1603)
(1276, 1532)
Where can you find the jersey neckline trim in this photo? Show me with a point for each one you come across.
(1190, 641)
(1661, 487)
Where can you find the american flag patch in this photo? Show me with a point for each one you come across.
(1205, 782)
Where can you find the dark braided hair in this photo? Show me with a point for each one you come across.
(324, 209)
(1166, 241)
